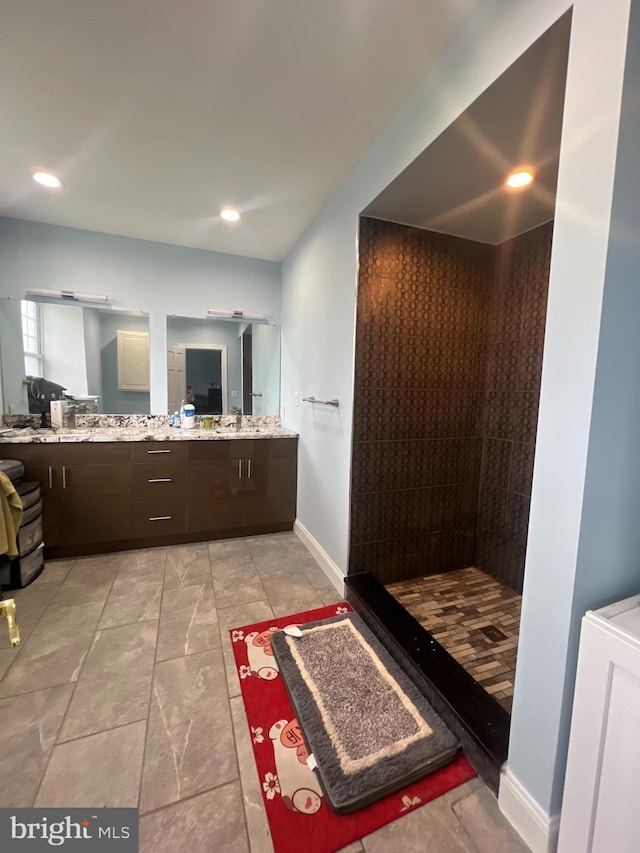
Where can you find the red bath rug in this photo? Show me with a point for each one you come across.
(298, 816)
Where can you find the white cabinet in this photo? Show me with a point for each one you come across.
(601, 807)
(133, 361)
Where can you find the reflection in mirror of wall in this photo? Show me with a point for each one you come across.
(221, 365)
(58, 351)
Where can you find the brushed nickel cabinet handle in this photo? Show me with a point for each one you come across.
(158, 451)
(239, 469)
(160, 480)
(64, 476)
(50, 477)
(248, 469)
(160, 518)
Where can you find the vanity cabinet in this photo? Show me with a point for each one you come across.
(120, 495)
(242, 485)
(86, 490)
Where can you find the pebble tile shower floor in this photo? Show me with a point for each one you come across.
(475, 618)
(124, 693)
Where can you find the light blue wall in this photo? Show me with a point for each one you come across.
(575, 497)
(319, 297)
(136, 275)
(113, 399)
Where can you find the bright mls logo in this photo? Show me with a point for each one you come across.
(71, 829)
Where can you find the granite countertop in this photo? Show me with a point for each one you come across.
(29, 435)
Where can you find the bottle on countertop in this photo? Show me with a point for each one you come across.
(175, 420)
(187, 415)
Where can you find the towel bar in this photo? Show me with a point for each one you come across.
(335, 402)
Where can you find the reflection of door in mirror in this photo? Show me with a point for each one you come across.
(204, 374)
(176, 376)
(202, 368)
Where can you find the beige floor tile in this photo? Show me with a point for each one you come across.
(188, 622)
(100, 770)
(7, 656)
(55, 651)
(484, 822)
(29, 725)
(208, 823)
(89, 580)
(190, 746)
(131, 601)
(229, 556)
(55, 571)
(432, 827)
(187, 565)
(238, 587)
(115, 681)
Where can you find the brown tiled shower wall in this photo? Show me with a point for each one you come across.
(448, 357)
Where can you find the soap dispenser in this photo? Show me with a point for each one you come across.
(187, 415)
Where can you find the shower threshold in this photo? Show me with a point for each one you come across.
(479, 720)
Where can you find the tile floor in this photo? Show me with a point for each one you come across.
(124, 693)
(461, 609)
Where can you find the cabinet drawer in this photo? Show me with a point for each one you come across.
(158, 481)
(84, 453)
(155, 451)
(241, 448)
(158, 518)
(217, 449)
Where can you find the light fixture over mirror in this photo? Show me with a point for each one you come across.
(237, 315)
(36, 295)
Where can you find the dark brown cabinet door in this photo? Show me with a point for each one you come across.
(270, 490)
(94, 502)
(47, 476)
(86, 489)
(39, 465)
(215, 495)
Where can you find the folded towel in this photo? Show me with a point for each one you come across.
(10, 516)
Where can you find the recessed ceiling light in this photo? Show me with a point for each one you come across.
(520, 178)
(230, 214)
(47, 180)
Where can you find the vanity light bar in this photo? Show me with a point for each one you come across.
(71, 295)
(221, 314)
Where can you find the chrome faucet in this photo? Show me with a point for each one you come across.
(237, 411)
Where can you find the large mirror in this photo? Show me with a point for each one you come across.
(223, 365)
(97, 357)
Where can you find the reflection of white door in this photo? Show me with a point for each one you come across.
(266, 370)
(175, 373)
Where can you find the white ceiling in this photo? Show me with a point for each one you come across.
(457, 185)
(156, 114)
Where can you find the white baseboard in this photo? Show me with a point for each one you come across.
(537, 829)
(321, 557)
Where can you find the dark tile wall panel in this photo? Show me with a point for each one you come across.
(449, 341)
(418, 402)
(513, 337)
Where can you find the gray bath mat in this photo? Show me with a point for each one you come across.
(369, 728)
